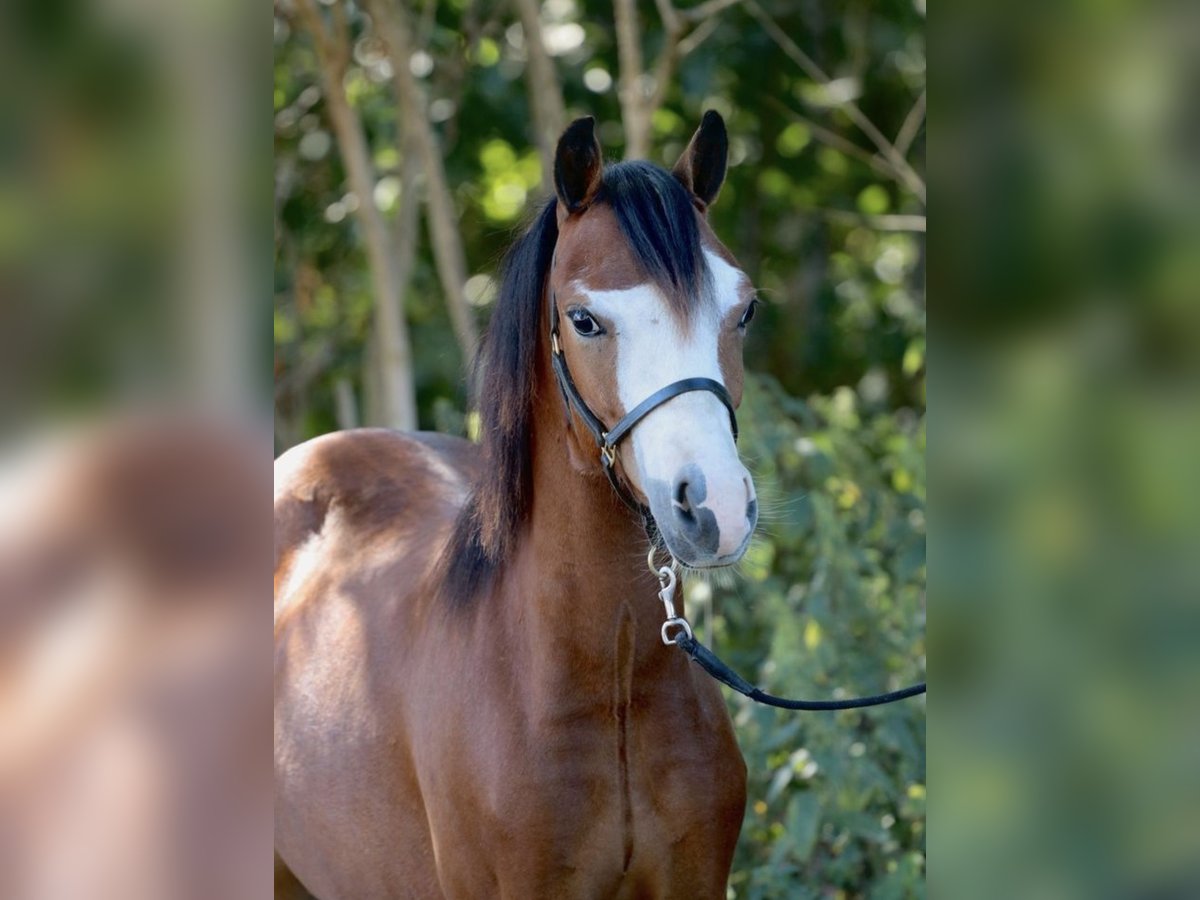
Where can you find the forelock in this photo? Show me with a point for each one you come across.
(658, 221)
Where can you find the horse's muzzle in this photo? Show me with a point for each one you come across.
(706, 523)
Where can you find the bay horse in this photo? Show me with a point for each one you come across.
(472, 698)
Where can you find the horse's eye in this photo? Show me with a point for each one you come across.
(584, 324)
(748, 314)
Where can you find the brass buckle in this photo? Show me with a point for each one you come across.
(608, 454)
(554, 343)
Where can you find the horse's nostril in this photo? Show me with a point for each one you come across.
(682, 503)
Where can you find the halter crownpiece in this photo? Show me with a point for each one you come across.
(606, 438)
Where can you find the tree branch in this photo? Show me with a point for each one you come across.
(706, 10)
(842, 144)
(309, 18)
(664, 69)
(341, 33)
(637, 104)
(909, 177)
(698, 36)
(911, 128)
(900, 222)
(671, 19)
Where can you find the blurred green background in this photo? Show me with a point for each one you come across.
(824, 207)
(1065, 509)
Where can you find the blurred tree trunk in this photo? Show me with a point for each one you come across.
(375, 374)
(391, 19)
(545, 90)
(345, 404)
(372, 407)
(397, 400)
(407, 218)
(641, 93)
(631, 88)
(217, 348)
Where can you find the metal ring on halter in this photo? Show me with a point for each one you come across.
(657, 570)
(675, 621)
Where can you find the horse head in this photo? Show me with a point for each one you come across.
(648, 315)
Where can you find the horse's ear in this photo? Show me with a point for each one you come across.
(702, 166)
(578, 165)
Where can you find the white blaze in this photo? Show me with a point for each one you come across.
(653, 351)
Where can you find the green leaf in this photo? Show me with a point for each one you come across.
(802, 822)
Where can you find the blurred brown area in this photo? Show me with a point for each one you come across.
(1065, 490)
(134, 485)
(134, 686)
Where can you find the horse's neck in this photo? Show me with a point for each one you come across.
(580, 595)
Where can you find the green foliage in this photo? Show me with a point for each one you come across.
(832, 604)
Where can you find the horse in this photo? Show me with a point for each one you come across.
(472, 698)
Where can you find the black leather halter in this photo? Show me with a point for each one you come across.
(606, 438)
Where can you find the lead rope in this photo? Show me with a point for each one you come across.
(676, 630)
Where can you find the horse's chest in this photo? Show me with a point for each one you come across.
(633, 801)
(612, 787)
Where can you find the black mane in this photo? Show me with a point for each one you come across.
(656, 217)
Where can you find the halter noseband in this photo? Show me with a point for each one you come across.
(606, 438)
